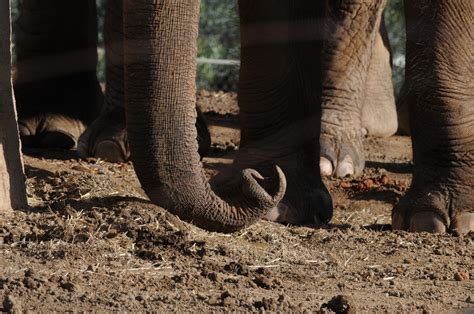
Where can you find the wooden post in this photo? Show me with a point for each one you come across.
(12, 178)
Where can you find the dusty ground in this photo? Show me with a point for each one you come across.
(91, 241)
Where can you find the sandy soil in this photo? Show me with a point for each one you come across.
(91, 241)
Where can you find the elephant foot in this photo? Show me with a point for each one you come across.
(435, 209)
(342, 154)
(106, 137)
(50, 131)
(306, 201)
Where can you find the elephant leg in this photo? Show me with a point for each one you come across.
(441, 103)
(352, 30)
(56, 87)
(279, 93)
(106, 137)
(379, 115)
(403, 114)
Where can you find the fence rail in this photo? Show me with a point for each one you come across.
(218, 61)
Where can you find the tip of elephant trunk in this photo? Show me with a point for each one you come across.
(268, 191)
(239, 205)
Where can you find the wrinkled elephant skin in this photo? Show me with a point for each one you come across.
(303, 74)
(440, 99)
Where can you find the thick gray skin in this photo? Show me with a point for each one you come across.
(379, 116)
(280, 109)
(375, 115)
(307, 199)
(161, 116)
(349, 114)
(280, 112)
(440, 99)
(280, 90)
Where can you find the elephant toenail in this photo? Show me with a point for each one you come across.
(427, 222)
(398, 222)
(345, 167)
(110, 151)
(325, 167)
(463, 223)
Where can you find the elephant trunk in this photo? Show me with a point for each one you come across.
(160, 72)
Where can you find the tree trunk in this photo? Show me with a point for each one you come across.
(12, 178)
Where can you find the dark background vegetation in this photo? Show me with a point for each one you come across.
(219, 39)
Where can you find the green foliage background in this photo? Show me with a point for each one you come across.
(395, 22)
(219, 39)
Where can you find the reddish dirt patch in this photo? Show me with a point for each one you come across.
(91, 241)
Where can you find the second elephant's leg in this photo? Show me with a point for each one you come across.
(379, 114)
(56, 87)
(280, 81)
(351, 33)
(106, 138)
(440, 99)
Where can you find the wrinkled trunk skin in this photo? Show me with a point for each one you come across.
(12, 178)
(440, 97)
(160, 50)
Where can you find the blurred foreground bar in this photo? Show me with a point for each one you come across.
(12, 178)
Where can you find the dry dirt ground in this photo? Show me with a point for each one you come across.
(91, 241)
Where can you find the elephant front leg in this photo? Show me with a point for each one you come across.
(56, 87)
(280, 81)
(441, 107)
(351, 30)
